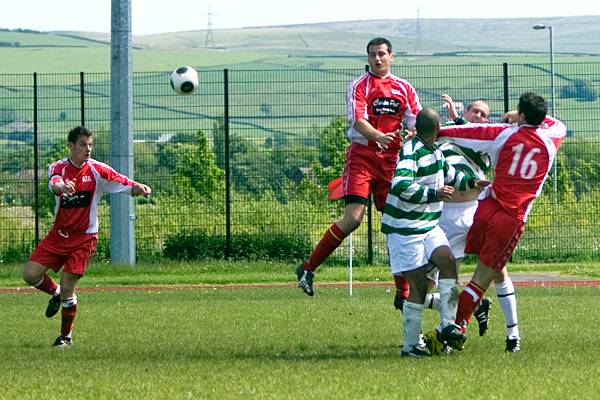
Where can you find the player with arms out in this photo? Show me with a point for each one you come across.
(377, 103)
(78, 183)
(423, 179)
(522, 155)
(457, 216)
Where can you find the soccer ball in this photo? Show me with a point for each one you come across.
(184, 80)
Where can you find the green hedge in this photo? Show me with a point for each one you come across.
(199, 245)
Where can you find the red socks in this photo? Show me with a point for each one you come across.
(68, 316)
(47, 285)
(402, 288)
(330, 241)
(467, 303)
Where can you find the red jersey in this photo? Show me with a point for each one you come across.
(78, 213)
(384, 102)
(522, 157)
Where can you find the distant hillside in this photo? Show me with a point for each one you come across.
(325, 45)
(571, 35)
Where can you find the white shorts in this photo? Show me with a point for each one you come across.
(413, 251)
(456, 220)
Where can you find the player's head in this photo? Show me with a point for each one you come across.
(78, 131)
(533, 107)
(478, 112)
(428, 123)
(380, 56)
(80, 142)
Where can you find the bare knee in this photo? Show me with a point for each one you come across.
(33, 273)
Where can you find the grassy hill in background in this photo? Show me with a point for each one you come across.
(325, 45)
(571, 35)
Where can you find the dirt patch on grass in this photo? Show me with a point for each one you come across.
(519, 280)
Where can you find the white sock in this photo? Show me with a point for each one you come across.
(448, 301)
(508, 303)
(70, 302)
(57, 291)
(412, 315)
(432, 301)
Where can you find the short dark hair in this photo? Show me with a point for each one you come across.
(534, 107)
(78, 131)
(377, 41)
(428, 122)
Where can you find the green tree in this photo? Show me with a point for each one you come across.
(578, 166)
(194, 164)
(254, 169)
(333, 143)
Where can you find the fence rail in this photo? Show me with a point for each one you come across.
(247, 157)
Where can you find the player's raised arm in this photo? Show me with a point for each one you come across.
(449, 104)
(486, 138)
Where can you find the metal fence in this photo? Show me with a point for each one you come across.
(259, 165)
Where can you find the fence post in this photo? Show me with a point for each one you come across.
(227, 166)
(82, 97)
(36, 178)
(505, 85)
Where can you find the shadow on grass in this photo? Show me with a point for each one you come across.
(83, 351)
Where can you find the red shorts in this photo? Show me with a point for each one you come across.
(494, 234)
(58, 248)
(368, 170)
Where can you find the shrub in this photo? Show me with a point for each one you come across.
(14, 252)
(199, 245)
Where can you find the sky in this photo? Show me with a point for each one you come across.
(159, 16)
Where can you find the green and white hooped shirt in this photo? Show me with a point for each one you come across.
(422, 170)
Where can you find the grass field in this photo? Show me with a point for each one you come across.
(278, 343)
(223, 273)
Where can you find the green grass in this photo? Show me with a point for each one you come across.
(278, 343)
(223, 272)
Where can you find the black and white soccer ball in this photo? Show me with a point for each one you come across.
(184, 80)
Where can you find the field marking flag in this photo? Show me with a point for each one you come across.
(336, 192)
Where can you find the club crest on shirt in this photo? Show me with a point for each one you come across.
(385, 105)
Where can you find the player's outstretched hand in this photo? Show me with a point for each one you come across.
(141, 189)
